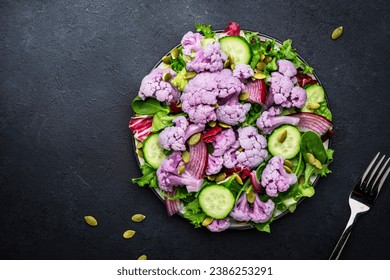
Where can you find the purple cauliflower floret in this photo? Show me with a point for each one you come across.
(154, 86)
(214, 164)
(219, 225)
(243, 71)
(168, 177)
(224, 140)
(201, 94)
(275, 179)
(269, 120)
(241, 210)
(175, 137)
(191, 43)
(232, 112)
(254, 145)
(230, 156)
(282, 90)
(286, 67)
(209, 59)
(298, 97)
(262, 211)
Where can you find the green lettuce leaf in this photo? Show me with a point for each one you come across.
(162, 120)
(149, 177)
(205, 29)
(194, 213)
(149, 106)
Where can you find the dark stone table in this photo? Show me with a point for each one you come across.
(68, 72)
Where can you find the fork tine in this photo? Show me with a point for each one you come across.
(369, 186)
(382, 180)
(368, 169)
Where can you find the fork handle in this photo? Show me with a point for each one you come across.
(343, 238)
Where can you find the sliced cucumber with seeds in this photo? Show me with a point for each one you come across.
(237, 48)
(216, 201)
(285, 141)
(315, 94)
(153, 152)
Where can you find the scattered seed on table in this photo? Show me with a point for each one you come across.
(128, 234)
(138, 218)
(90, 220)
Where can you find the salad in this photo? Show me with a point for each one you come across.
(230, 129)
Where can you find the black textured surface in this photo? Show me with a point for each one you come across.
(69, 70)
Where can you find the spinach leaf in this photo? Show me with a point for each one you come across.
(312, 143)
(150, 106)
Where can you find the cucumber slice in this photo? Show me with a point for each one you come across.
(315, 94)
(290, 146)
(216, 201)
(153, 152)
(237, 48)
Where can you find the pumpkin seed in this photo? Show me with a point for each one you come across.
(175, 53)
(237, 178)
(194, 139)
(261, 66)
(282, 137)
(181, 169)
(317, 164)
(166, 76)
(142, 258)
(140, 153)
(287, 169)
(189, 75)
(310, 158)
(262, 57)
(207, 221)
(166, 59)
(337, 32)
(224, 125)
(90, 220)
(211, 177)
(232, 66)
(128, 234)
(166, 66)
(267, 59)
(250, 196)
(226, 64)
(186, 156)
(220, 177)
(313, 106)
(259, 76)
(243, 96)
(212, 123)
(288, 163)
(241, 149)
(137, 218)
(139, 145)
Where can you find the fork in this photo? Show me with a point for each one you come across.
(363, 196)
